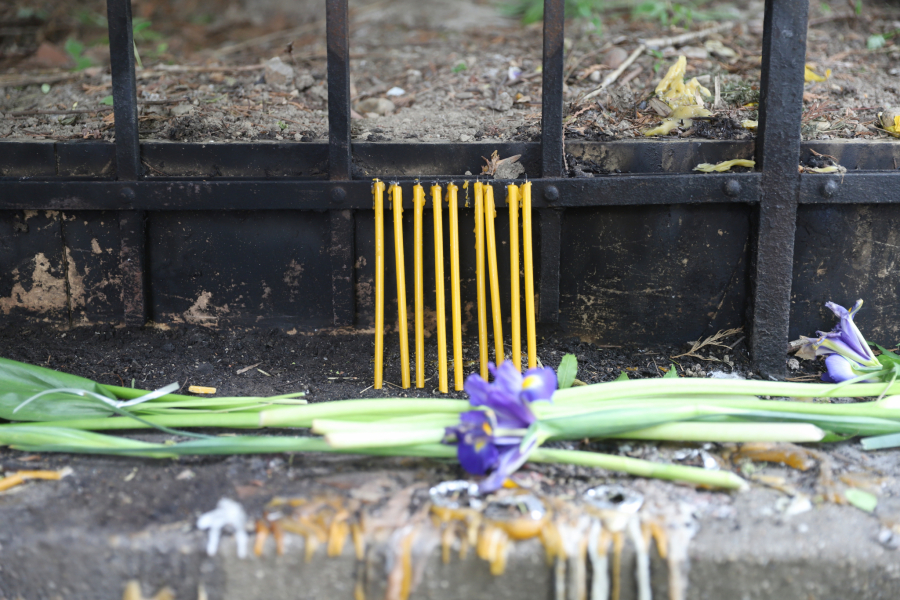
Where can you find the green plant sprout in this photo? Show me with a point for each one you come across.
(75, 50)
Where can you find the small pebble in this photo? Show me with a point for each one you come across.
(614, 57)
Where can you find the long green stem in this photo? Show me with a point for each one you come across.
(690, 385)
(126, 393)
(880, 409)
(302, 416)
(641, 468)
(42, 439)
(727, 432)
(383, 427)
(384, 439)
(290, 416)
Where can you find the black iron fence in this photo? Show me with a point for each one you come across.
(331, 184)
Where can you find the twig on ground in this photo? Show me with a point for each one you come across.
(631, 75)
(713, 340)
(677, 40)
(611, 78)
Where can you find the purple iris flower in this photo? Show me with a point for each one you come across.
(492, 439)
(848, 354)
(841, 369)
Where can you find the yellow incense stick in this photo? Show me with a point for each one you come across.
(529, 275)
(439, 289)
(454, 288)
(489, 214)
(378, 194)
(512, 199)
(397, 197)
(479, 279)
(419, 205)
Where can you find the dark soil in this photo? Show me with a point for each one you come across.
(326, 367)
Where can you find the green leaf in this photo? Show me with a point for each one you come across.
(672, 372)
(623, 376)
(57, 406)
(875, 42)
(20, 381)
(568, 368)
(14, 372)
(888, 353)
(74, 48)
(861, 500)
(107, 100)
(830, 436)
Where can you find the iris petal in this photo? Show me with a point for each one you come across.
(476, 458)
(839, 369)
(538, 384)
(475, 447)
(511, 458)
(848, 331)
(477, 389)
(511, 412)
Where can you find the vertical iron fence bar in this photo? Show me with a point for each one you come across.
(552, 89)
(124, 89)
(337, 30)
(128, 159)
(342, 222)
(778, 154)
(552, 149)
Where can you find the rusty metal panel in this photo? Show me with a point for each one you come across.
(92, 245)
(32, 270)
(661, 274)
(844, 253)
(243, 267)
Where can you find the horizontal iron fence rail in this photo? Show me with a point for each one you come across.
(243, 194)
(134, 177)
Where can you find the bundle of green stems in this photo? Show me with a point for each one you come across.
(666, 409)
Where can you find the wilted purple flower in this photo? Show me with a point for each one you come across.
(848, 354)
(841, 369)
(491, 439)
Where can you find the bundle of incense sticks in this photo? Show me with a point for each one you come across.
(518, 199)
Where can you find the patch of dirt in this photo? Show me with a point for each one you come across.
(465, 74)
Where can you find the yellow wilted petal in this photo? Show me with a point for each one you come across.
(829, 169)
(725, 165)
(663, 129)
(810, 75)
(682, 115)
(749, 124)
(675, 72)
(894, 129)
